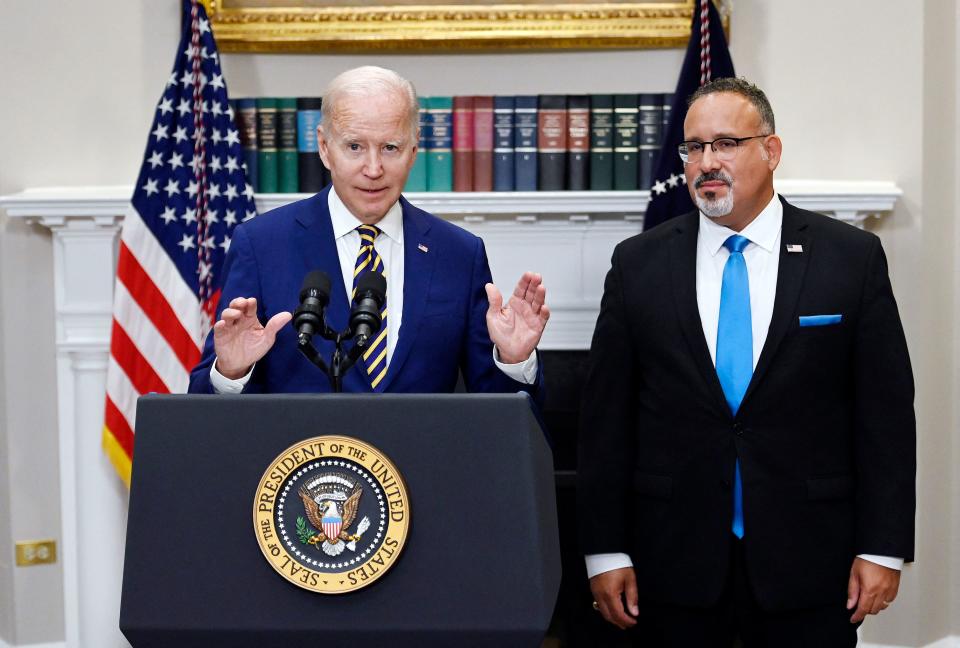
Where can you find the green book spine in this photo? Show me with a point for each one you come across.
(267, 144)
(417, 180)
(440, 151)
(601, 142)
(287, 149)
(626, 142)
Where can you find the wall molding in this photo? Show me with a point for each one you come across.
(851, 201)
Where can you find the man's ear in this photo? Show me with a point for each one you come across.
(415, 147)
(323, 146)
(771, 149)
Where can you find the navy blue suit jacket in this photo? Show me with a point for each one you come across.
(444, 304)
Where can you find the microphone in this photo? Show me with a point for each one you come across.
(314, 297)
(365, 317)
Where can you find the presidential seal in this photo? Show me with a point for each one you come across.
(331, 514)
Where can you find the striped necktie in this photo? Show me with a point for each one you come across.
(735, 347)
(368, 260)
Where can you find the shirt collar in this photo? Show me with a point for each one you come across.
(762, 231)
(344, 222)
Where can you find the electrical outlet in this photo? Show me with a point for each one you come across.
(36, 552)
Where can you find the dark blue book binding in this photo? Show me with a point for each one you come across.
(651, 134)
(503, 144)
(525, 132)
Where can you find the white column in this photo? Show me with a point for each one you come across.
(93, 499)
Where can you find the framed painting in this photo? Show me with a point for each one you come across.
(423, 25)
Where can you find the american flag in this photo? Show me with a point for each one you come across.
(707, 58)
(191, 193)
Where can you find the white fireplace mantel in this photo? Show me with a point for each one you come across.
(566, 236)
(850, 201)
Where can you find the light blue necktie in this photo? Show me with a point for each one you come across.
(735, 347)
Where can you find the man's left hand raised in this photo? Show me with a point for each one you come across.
(515, 328)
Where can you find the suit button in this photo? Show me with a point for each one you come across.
(738, 429)
(725, 484)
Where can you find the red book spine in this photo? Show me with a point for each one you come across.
(463, 143)
(483, 143)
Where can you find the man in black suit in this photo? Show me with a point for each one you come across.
(747, 453)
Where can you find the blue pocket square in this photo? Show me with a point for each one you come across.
(820, 320)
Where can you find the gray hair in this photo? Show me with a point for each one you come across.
(745, 89)
(368, 81)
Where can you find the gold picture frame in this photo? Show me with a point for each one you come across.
(351, 26)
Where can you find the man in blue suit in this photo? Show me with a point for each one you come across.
(442, 315)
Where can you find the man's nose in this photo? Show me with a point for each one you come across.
(373, 164)
(709, 160)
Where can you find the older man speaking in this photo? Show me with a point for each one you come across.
(442, 314)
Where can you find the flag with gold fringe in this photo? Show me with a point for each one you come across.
(191, 192)
(707, 58)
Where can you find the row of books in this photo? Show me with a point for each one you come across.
(597, 142)
(278, 136)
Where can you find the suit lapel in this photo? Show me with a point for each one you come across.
(790, 273)
(417, 275)
(683, 271)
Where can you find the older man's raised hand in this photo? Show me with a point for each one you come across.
(516, 328)
(239, 339)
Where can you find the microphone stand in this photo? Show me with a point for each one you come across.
(340, 363)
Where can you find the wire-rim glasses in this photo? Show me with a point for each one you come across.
(725, 148)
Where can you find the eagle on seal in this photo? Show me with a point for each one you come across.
(331, 518)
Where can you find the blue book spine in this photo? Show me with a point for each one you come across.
(503, 144)
(311, 177)
(525, 134)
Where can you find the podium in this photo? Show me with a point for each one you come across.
(481, 561)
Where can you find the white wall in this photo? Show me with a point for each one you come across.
(79, 83)
(862, 90)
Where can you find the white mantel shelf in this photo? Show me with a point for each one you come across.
(567, 236)
(850, 201)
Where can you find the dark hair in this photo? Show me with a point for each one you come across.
(744, 88)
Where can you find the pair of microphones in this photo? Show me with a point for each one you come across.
(365, 321)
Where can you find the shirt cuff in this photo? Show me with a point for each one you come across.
(523, 372)
(884, 561)
(600, 563)
(223, 385)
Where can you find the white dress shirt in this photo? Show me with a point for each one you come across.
(389, 245)
(762, 256)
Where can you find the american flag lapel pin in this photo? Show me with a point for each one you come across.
(794, 247)
(422, 247)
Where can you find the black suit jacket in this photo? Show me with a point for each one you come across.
(825, 434)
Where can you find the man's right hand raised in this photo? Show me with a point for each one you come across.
(239, 340)
(615, 592)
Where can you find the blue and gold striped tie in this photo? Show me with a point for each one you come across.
(375, 357)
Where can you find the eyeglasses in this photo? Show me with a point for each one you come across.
(725, 148)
